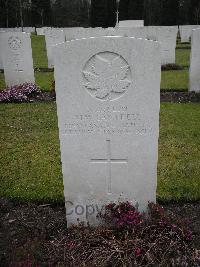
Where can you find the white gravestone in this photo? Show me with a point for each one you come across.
(17, 58)
(40, 31)
(195, 62)
(186, 32)
(138, 32)
(29, 29)
(1, 50)
(74, 33)
(131, 23)
(167, 37)
(108, 97)
(94, 32)
(52, 38)
(11, 29)
(152, 32)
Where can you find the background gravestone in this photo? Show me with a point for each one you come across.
(137, 32)
(195, 62)
(29, 29)
(52, 38)
(131, 23)
(40, 31)
(186, 32)
(73, 33)
(1, 51)
(108, 97)
(17, 58)
(151, 32)
(167, 36)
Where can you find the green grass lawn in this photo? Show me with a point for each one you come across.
(44, 80)
(179, 152)
(39, 51)
(183, 57)
(176, 79)
(2, 81)
(180, 45)
(30, 157)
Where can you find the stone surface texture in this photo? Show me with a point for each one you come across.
(195, 62)
(17, 58)
(52, 38)
(167, 37)
(1, 51)
(108, 98)
(186, 32)
(131, 23)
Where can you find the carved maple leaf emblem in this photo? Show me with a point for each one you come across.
(107, 77)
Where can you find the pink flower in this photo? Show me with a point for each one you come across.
(138, 252)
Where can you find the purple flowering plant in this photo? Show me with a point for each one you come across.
(122, 215)
(19, 93)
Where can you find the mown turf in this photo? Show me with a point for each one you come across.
(180, 45)
(2, 81)
(39, 51)
(179, 152)
(183, 57)
(30, 157)
(44, 80)
(175, 79)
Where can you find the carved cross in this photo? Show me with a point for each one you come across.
(109, 161)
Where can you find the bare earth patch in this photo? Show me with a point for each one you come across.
(32, 234)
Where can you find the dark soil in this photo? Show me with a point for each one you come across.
(169, 67)
(179, 97)
(44, 97)
(31, 233)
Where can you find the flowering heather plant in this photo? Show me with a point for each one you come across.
(163, 222)
(122, 215)
(19, 93)
(150, 239)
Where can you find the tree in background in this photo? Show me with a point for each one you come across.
(170, 12)
(9, 13)
(131, 9)
(189, 12)
(195, 11)
(197, 14)
(103, 13)
(41, 12)
(68, 13)
(123, 10)
(184, 12)
(152, 12)
(96, 13)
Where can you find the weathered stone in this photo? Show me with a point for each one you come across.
(17, 58)
(195, 62)
(52, 38)
(108, 97)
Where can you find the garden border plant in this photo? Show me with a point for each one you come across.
(19, 93)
